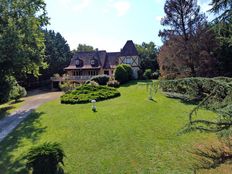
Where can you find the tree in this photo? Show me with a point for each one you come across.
(57, 53)
(83, 47)
(21, 39)
(183, 17)
(148, 54)
(222, 25)
(223, 8)
(45, 159)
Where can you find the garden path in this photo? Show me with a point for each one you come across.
(34, 100)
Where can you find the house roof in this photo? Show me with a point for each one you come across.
(129, 49)
(101, 58)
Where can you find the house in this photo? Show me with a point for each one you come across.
(84, 65)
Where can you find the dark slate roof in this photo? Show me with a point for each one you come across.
(102, 58)
(129, 49)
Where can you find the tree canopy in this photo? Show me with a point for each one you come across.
(148, 54)
(21, 38)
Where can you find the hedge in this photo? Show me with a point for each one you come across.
(86, 93)
(198, 88)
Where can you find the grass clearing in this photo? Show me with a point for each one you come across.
(128, 134)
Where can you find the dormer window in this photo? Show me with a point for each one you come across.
(78, 62)
(93, 62)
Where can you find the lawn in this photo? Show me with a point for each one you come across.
(128, 134)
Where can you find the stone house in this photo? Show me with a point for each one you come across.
(84, 65)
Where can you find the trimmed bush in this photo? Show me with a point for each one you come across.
(113, 83)
(198, 88)
(67, 86)
(101, 79)
(45, 159)
(147, 74)
(128, 70)
(123, 73)
(88, 82)
(86, 93)
(17, 92)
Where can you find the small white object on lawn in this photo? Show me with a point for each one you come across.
(94, 108)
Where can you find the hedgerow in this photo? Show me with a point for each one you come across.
(199, 88)
(86, 93)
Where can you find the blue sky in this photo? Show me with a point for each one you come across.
(108, 24)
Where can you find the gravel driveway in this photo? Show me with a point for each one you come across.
(34, 100)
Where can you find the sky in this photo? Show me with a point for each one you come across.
(108, 24)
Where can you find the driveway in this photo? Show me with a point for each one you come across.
(33, 101)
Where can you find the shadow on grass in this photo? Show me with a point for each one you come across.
(4, 111)
(131, 83)
(29, 129)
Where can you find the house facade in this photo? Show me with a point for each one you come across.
(85, 65)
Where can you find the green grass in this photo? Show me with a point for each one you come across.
(9, 107)
(128, 134)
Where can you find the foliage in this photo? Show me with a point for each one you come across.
(86, 93)
(222, 25)
(155, 75)
(113, 83)
(214, 94)
(147, 74)
(89, 82)
(83, 47)
(223, 8)
(123, 73)
(189, 43)
(22, 49)
(67, 86)
(148, 56)
(57, 53)
(199, 88)
(45, 159)
(7, 84)
(100, 79)
(22, 40)
(17, 92)
(174, 60)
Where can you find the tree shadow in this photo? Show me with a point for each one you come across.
(29, 129)
(4, 111)
(131, 83)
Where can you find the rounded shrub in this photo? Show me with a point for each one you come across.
(87, 92)
(100, 79)
(123, 73)
(45, 159)
(147, 74)
(113, 83)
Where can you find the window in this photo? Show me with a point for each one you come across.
(77, 62)
(106, 72)
(128, 60)
(92, 62)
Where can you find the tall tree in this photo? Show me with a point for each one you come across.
(148, 56)
(57, 53)
(222, 8)
(222, 25)
(186, 25)
(21, 39)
